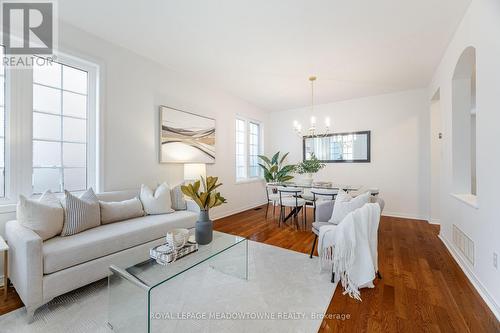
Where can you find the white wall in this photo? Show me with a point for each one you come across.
(132, 88)
(479, 28)
(399, 152)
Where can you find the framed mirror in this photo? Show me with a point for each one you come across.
(351, 147)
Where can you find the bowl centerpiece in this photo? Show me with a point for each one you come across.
(177, 238)
(309, 167)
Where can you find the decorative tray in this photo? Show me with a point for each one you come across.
(164, 254)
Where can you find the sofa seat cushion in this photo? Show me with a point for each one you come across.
(63, 252)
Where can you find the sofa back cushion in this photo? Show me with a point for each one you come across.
(44, 216)
(114, 196)
(120, 210)
(80, 213)
(177, 197)
(158, 201)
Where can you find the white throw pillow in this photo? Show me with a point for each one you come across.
(80, 213)
(44, 216)
(340, 208)
(344, 204)
(121, 210)
(158, 202)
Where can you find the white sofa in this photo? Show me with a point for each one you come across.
(41, 270)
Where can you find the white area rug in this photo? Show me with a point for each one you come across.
(283, 285)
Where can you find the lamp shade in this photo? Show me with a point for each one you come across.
(193, 171)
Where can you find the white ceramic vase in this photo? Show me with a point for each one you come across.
(308, 178)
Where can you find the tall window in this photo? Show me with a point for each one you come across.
(241, 156)
(248, 147)
(253, 149)
(2, 126)
(60, 135)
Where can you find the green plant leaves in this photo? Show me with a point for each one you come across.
(207, 199)
(265, 159)
(311, 165)
(283, 158)
(274, 160)
(288, 168)
(274, 171)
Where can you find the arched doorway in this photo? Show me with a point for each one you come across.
(464, 124)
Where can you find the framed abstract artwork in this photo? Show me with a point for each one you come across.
(186, 137)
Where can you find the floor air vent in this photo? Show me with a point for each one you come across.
(258, 208)
(464, 244)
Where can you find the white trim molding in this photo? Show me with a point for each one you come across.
(468, 199)
(238, 210)
(405, 216)
(434, 221)
(481, 289)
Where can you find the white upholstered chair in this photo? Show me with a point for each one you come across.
(321, 194)
(324, 210)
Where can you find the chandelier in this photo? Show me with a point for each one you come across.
(312, 131)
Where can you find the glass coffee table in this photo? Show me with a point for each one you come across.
(134, 291)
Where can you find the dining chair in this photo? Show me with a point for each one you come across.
(290, 197)
(272, 197)
(322, 194)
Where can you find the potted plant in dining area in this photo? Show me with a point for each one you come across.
(206, 199)
(308, 168)
(274, 170)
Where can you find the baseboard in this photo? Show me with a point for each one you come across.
(404, 216)
(239, 210)
(481, 289)
(391, 214)
(434, 221)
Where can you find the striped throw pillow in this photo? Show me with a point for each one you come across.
(178, 200)
(80, 213)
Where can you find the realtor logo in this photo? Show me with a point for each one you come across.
(28, 27)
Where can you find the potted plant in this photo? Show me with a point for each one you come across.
(206, 199)
(274, 170)
(309, 167)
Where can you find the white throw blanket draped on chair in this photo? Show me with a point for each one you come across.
(349, 249)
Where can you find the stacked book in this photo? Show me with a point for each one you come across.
(166, 254)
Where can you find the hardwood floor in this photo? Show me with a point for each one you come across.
(11, 302)
(422, 288)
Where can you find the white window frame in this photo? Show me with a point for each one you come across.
(248, 121)
(19, 129)
(5, 108)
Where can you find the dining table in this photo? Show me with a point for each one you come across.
(319, 185)
(313, 185)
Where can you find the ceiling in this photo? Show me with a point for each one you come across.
(263, 51)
